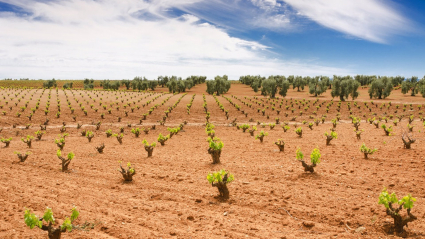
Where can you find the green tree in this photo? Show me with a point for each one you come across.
(298, 83)
(422, 86)
(50, 83)
(318, 85)
(284, 86)
(343, 87)
(172, 84)
(127, 83)
(219, 85)
(269, 87)
(397, 80)
(410, 84)
(381, 88)
(364, 80)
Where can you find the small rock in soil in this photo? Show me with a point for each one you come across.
(308, 224)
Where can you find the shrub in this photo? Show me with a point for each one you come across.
(334, 122)
(32, 221)
(148, 147)
(261, 135)
(330, 136)
(244, 127)
(220, 180)
(100, 148)
(28, 140)
(119, 137)
(39, 134)
(215, 147)
(61, 141)
(6, 141)
(252, 130)
(127, 174)
(410, 127)
(89, 135)
(280, 144)
(136, 132)
(173, 131)
(285, 128)
(299, 131)
(376, 123)
(406, 202)
(315, 159)
(395, 122)
(358, 133)
(108, 133)
(65, 161)
(366, 151)
(407, 140)
(310, 125)
(162, 139)
(387, 130)
(22, 157)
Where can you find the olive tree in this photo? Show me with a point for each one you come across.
(318, 85)
(397, 80)
(219, 85)
(422, 86)
(343, 87)
(172, 84)
(410, 84)
(364, 80)
(381, 88)
(298, 83)
(269, 87)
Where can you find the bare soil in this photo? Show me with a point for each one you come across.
(170, 197)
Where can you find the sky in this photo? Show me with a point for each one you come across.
(121, 39)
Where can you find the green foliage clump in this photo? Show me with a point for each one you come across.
(387, 129)
(220, 180)
(219, 85)
(127, 173)
(380, 88)
(31, 220)
(280, 144)
(162, 139)
(330, 136)
(366, 151)
(149, 147)
(28, 140)
(261, 135)
(65, 161)
(314, 157)
(411, 84)
(136, 132)
(119, 137)
(406, 202)
(299, 131)
(6, 141)
(318, 85)
(343, 87)
(215, 147)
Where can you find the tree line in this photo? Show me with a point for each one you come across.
(343, 87)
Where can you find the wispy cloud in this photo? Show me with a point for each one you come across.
(115, 39)
(373, 20)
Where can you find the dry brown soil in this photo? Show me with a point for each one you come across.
(170, 197)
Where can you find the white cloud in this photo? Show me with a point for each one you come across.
(373, 20)
(103, 39)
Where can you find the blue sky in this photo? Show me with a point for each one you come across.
(120, 39)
